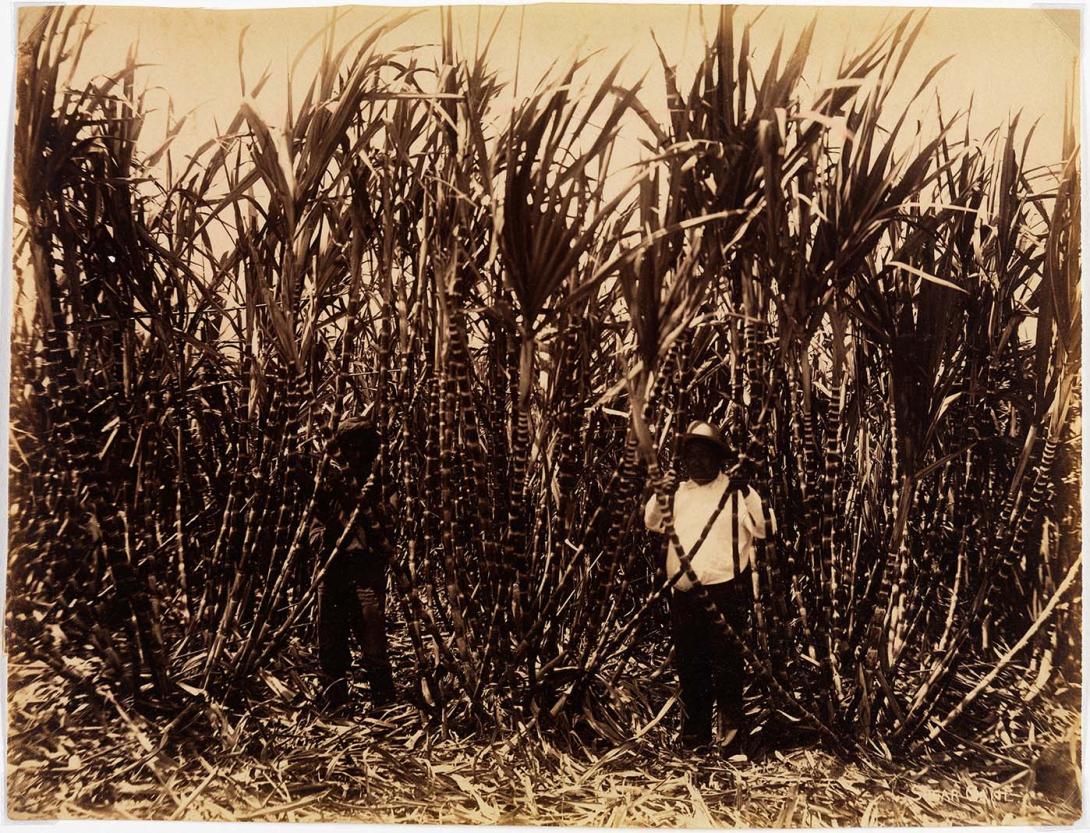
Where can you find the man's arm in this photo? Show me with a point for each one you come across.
(759, 526)
(325, 524)
(652, 515)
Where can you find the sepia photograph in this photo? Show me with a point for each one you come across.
(575, 415)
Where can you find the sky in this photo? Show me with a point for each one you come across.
(1005, 60)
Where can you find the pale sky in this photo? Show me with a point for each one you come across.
(1007, 60)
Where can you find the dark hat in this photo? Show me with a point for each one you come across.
(700, 431)
(354, 425)
(354, 431)
(357, 439)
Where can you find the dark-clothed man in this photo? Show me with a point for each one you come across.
(710, 666)
(352, 595)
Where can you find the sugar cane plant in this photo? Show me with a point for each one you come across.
(886, 317)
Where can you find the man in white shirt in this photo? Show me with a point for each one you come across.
(717, 523)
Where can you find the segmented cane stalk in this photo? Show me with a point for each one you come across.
(878, 641)
(796, 577)
(180, 481)
(773, 493)
(809, 486)
(455, 595)
(284, 478)
(269, 529)
(899, 591)
(915, 602)
(431, 524)
(477, 486)
(831, 567)
(1031, 512)
(515, 549)
(887, 568)
(794, 570)
(758, 579)
(568, 378)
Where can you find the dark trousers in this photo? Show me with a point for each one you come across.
(710, 666)
(352, 603)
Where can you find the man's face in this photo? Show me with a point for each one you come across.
(702, 460)
(354, 455)
(342, 457)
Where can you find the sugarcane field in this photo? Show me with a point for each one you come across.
(552, 415)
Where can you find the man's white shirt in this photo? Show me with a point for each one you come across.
(693, 506)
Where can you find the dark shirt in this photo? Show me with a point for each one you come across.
(338, 496)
